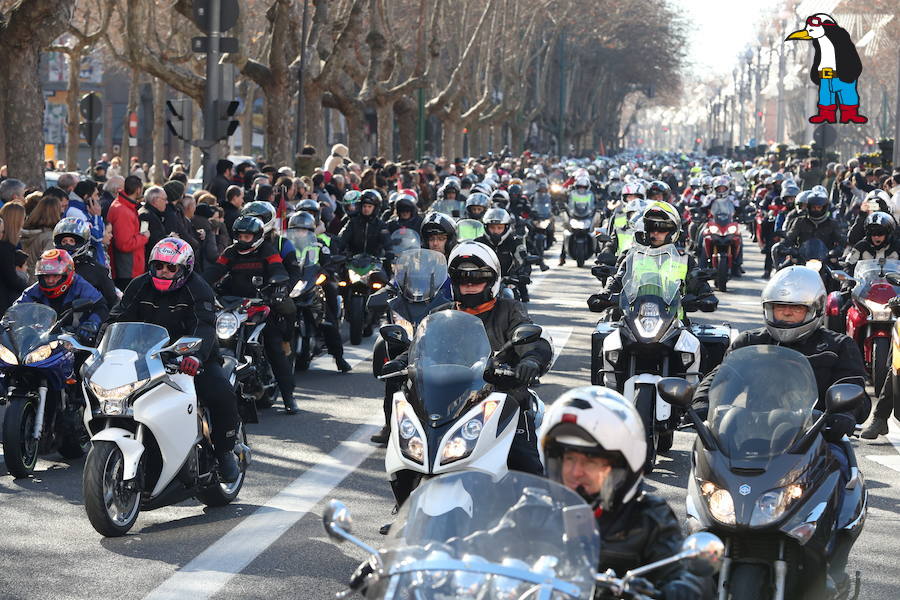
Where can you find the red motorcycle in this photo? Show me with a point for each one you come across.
(869, 320)
(721, 246)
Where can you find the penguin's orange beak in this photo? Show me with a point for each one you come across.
(801, 34)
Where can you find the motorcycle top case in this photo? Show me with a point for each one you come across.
(715, 340)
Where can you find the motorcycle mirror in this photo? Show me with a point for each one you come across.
(606, 258)
(394, 333)
(184, 345)
(256, 280)
(600, 271)
(843, 397)
(704, 552)
(378, 299)
(893, 278)
(526, 334)
(676, 391)
(337, 521)
(76, 345)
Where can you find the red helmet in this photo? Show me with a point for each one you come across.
(55, 262)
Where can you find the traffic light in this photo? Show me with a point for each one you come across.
(225, 125)
(179, 120)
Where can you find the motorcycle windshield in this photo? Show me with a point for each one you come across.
(581, 205)
(869, 270)
(469, 229)
(464, 535)
(139, 337)
(814, 249)
(29, 325)
(447, 361)
(405, 239)
(542, 207)
(305, 244)
(654, 272)
(755, 412)
(448, 207)
(363, 264)
(420, 274)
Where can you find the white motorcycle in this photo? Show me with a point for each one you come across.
(443, 420)
(150, 437)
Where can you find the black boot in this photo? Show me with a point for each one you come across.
(342, 365)
(382, 436)
(290, 405)
(228, 466)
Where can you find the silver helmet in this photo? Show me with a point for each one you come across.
(796, 285)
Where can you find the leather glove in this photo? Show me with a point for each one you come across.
(680, 590)
(189, 365)
(393, 366)
(527, 370)
(598, 302)
(359, 581)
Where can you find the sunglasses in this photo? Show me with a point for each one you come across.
(817, 22)
(161, 266)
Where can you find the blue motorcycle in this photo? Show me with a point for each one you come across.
(33, 361)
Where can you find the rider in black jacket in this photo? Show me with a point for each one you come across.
(74, 236)
(365, 233)
(183, 303)
(594, 443)
(252, 256)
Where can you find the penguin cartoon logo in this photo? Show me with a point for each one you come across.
(835, 69)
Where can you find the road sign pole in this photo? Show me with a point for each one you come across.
(213, 73)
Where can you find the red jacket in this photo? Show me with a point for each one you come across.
(127, 242)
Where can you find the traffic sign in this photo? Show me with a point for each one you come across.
(228, 14)
(90, 106)
(132, 125)
(825, 135)
(226, 44)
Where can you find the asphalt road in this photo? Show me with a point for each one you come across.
(270, 543)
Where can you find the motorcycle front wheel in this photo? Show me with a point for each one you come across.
(356, 316)
(881, 361)
(220, 493)
(722, 273)
(20, 449)
(112, 505)
(748, 582)
(645, 403)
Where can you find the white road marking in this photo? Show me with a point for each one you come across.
(210, 571)
(352, 354)
(891, 461)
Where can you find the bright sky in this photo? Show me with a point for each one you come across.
(721, 30)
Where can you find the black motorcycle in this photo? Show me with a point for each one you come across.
(764, 479)
(540, 226)
(365, 275)
(579, 237)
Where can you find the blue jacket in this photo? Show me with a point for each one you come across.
(78, 209)
(80, 289)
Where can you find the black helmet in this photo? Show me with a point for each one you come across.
(659, 187)
(309, 205)
(247, 224)
(405, 202)
(75, 228)
(370, 196)
(263, 211)
(817, 199)
(437, 223)
(515, 190)
(302, 220)
(477, 200)
(880, 223)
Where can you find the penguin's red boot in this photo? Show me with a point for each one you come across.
(827, 114)
(849, 114)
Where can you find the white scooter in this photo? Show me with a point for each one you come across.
(150, 437)
(442, 419)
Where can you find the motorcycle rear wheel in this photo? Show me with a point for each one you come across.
(20, 449)
(111, 506)
(356, 317)
(645, 403)
(881, 362)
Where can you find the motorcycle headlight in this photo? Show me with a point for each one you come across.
(771, 506)
(463, 443)
(354, 276)
(577, 224)
(115, 401)
(226, 325)
(544, 223)
(41, 353)
(719, 501)
(412, 446)
(714, 229)
(298, 288)
(732, 229)
(8, 356)
(649, 320)
(880, 312)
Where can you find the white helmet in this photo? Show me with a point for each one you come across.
(634, 207)
(635, 188)
(597, 421)
(582, 182)
(472, 261)
(794, 285)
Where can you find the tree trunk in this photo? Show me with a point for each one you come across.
(159, 129)
(451, 138)
(23, 114)
(197, 129)
(517, 136)
(314, 115)
(405, 112)
(356, 134)
(247, 118)
(278, 124)
(73, 134)
(385, 114)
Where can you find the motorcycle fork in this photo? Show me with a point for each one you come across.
(39, 416)
(725, 571)
(780, 572)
